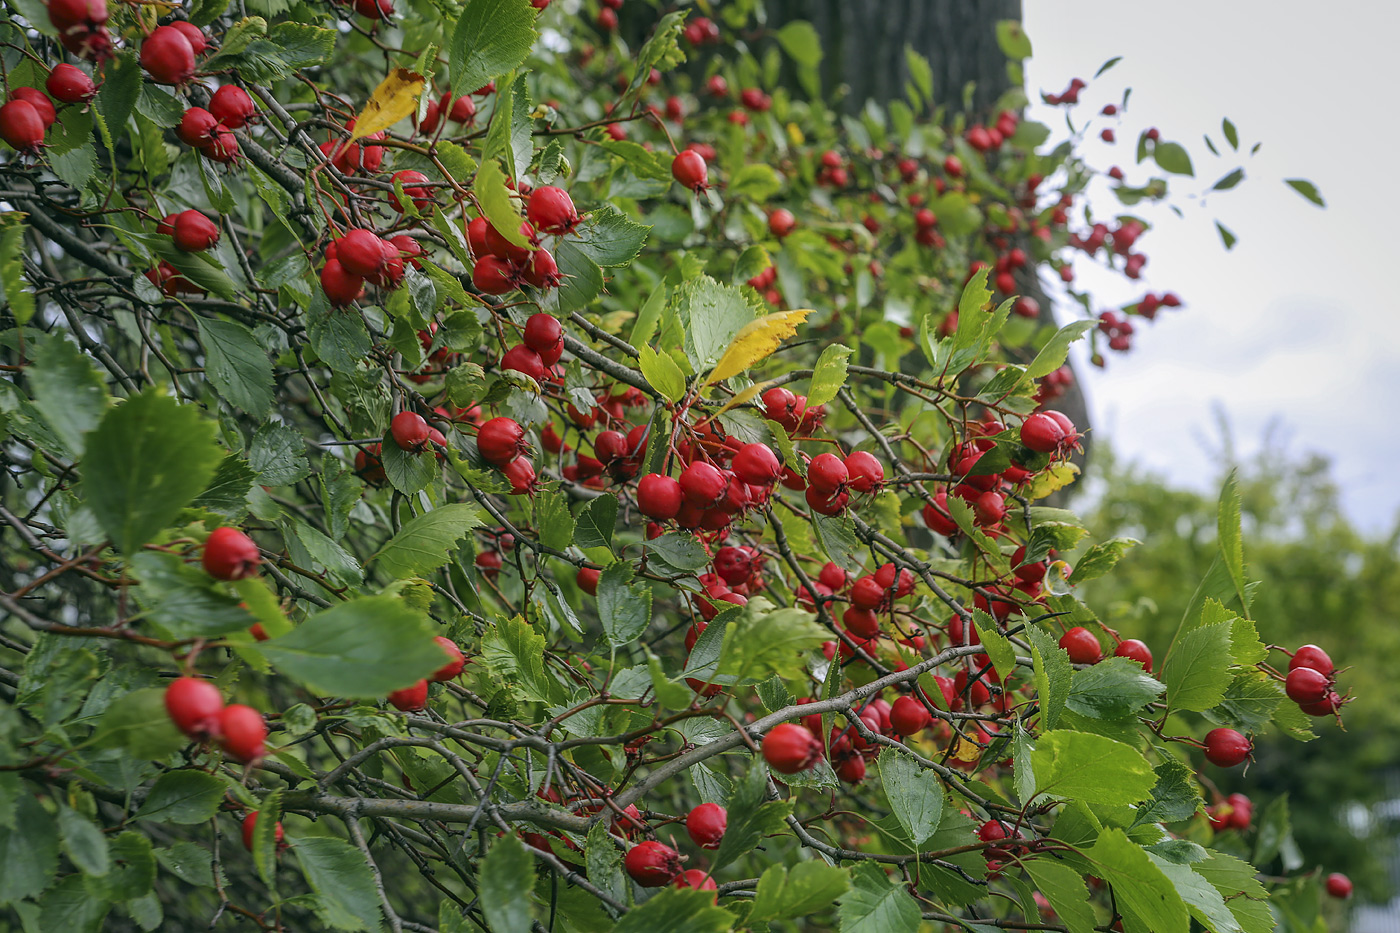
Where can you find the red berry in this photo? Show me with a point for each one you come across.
(1081, 645)
(476, 236)
(863, 623)
(1314, 657)
(242, 732)
(455, 661)
(410, 699)
(340, 285)
(694, 877)
(522, 359)
(1339, 885)
(70, 84)
(374, 9)
(489, 563)
(493, 276)
(196, 37)
(521, 473)
(22, 126)
(232, 106)
(198, 127)
(790, 748)
(703, 484)
(194, 233)
(866, 473)
(832, 576)
(1137, 651)
(361, 253)
(827, 503)
(688, 168)
(781, 222)
(409, 431)
(542, 332)
(827, 473)
(543, 272)
(39, 101)
(500, 441)
(410, 180)
(1305, 686)
(706, 824)
(223, 149)
(659, 497)
(167, 56)
(551, 210)
(463, 111)
(651, 864)
(867, 593)
(250, 823)
(757, 465)
(194, 706)
(908, 716)
(229, 554)
(66, 14)
(587, 580)
(937, 517)
(1042, 433)
(1226, 747)
(498, 246)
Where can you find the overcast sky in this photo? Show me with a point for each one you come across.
(1299, 322)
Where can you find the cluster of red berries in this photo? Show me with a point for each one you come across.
(28, 112)
(82, 28)
(1234, 812)
(197, 708)
(986, 139)
(502, 266)
(361, 256)
(1311, 682)
(653, 864)
(210, 130)
(415, 696)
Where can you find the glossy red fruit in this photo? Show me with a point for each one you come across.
(463, 111)
(194, 233)
(703, 484)
(70, 84)
(361, 252)
(250, 824)
(410, 180)
(223, 149)
(340, 285)
(455, 660)
(937, 517)
(694, 877)
(1226, 747)
(374, 9)
(500, 441)
(652, 864)
(502, 248)
(67, 14)
(521, 474)
(587, 580)
(757, 465)
(706, 825)
(1314, 657)
(1042, 433)
(198, 127)
(242, 732)
(522, 359)
(1137, 651)
(542, 331)
(167, 56)
(551, 210)
(1305, 686)
(908, 716)
(194, 706)
(866, 473)
(409, 431)
(659, 497)
(410, 699)
(790, 748)
(476, 236)
(1339, 885)
(827, 473)
(39, 101)
(543, 272)
(21, 126)
(229, 554)
(863, 623)
(781, 222)
(232, 106)
(193, 34)
(867, 593)
(832, 576)
(827, 503)
(1081, 645)
(689, 169)
(493, 276)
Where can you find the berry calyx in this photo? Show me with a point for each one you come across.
(1226, 747)
(652, 864)
(229, 554)
(1081, 646)
(242, 732)
(790, 748)
(706, 825)
(455, 660)
(409, 431)
(194, 706)
(410, 699)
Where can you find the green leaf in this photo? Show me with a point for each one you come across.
(16, 290)
(603, 860)
(679, 551)
(491, 38)
(920, 72)
(1101, 559)
(810, 886)
(677, 910)
(752, 816)
(28, 850)
(595, 521)
(662, 373)
(998, 647)
(759, 643)
(1202, 900)
(425, 541)
(756, 182)
(1053, 675)
(1175, 796)
(1197, 669)
(139, 723)
(150, 457)
(623, 608)
(1250, 701)
(185, 796)
(341, 878)
(711, 314)
(408, 471)
(1229, 535)
(1064, 888)
(1232, 135)
(1091, 768)
(829, 375)
(514, 652)
(70, 907)
(1012, 39)
(1115, 688)
(583, 279)
(83, 842)
(1052, 356)
(1139, 887)
(915, 794)
(1307, 189)
(341, 651)
(609, 237)
(836, 536)
(494, 196)
(265, 838)
(337, 336)
(877, 903)
(227, 492)
(278, 455)
(506, 879)
(237, 365)
(800, 40)
(552, 518)
(67, 391)
(133, 867)
(661, 52)
(1173, 157)
(1227, 237)
(669, 693)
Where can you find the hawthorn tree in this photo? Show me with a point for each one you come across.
(463, 472)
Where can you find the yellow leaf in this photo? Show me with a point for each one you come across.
(966, 750)
(395, 98)
(1052, 478)
(756, 341)
(742, 397)
(795, 134)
